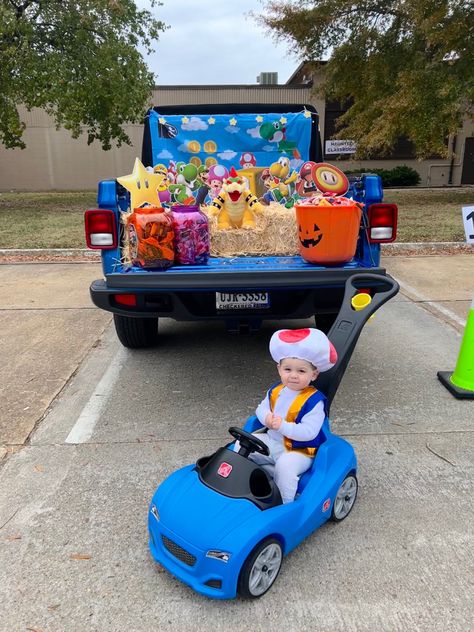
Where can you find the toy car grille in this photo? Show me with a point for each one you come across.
(178, 551)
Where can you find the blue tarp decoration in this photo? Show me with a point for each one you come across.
(240, 140)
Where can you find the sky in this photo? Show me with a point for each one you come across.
(215, 42)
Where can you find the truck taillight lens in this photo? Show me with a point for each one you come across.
(100, 229)
(126, 299)
(382, 223)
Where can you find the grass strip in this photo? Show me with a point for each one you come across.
(44, 220)
(55, 219)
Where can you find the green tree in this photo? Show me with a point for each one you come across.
(404, 66)
(79, 61)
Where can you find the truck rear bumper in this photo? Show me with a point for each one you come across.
(190, 293)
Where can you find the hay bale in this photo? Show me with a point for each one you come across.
(125, 259)
(275, 234)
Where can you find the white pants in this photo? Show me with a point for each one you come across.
(285, 467)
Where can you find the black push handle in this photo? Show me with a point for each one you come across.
(349, 323)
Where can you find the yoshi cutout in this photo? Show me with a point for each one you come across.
(276, 133)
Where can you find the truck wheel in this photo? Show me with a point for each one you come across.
(324, 322)
(260, 569)
(136, 333)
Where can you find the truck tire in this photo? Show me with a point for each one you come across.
(136, 333)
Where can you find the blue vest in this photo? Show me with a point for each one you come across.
(305, 401)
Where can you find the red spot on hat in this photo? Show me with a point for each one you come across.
(332, 353)
(293, 335)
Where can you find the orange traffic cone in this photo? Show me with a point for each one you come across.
(460, 382)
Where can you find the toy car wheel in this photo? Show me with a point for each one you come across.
(345, 498)
(136, 333)
(260, 569)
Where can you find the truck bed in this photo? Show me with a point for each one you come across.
(237, 272)
(226, 273)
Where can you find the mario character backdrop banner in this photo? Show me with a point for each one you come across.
(230, 140)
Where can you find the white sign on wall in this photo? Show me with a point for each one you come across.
(340, 147)
(468, 219)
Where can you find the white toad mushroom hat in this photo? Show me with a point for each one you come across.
(308, 344)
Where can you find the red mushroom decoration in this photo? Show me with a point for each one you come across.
(247, 159)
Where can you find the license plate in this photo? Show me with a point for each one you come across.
(242, 300)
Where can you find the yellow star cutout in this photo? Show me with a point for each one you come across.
(142, 186)
(307, 113)
(259, 119)
(161, 120)
(233, 121)
(283, 120)
(211, 120)
(184, 120)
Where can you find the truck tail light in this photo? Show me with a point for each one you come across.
(382, 223)
(126, 299)
(100, 229)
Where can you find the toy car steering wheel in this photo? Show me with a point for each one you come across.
(248, 442)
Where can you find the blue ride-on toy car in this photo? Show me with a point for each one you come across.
(219, 525)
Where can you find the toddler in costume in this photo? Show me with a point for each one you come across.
(293, 411)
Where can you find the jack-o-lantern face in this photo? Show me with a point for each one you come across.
(310, 235)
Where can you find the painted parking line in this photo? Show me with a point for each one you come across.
(84, 427)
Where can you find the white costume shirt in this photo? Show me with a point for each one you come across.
(307, 429)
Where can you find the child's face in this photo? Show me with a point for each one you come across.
(296, 374)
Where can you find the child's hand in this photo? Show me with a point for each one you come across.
(276, 423)
(273, 421)
(269, 420)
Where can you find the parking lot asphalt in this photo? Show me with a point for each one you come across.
(443, 284)
(49, 325)
(72, 543)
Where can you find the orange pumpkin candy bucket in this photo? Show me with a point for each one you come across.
(327, 234)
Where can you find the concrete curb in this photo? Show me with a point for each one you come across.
(425, 245)
(64, 252)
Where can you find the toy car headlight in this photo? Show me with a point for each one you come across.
(155, 512)
(223, 556)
